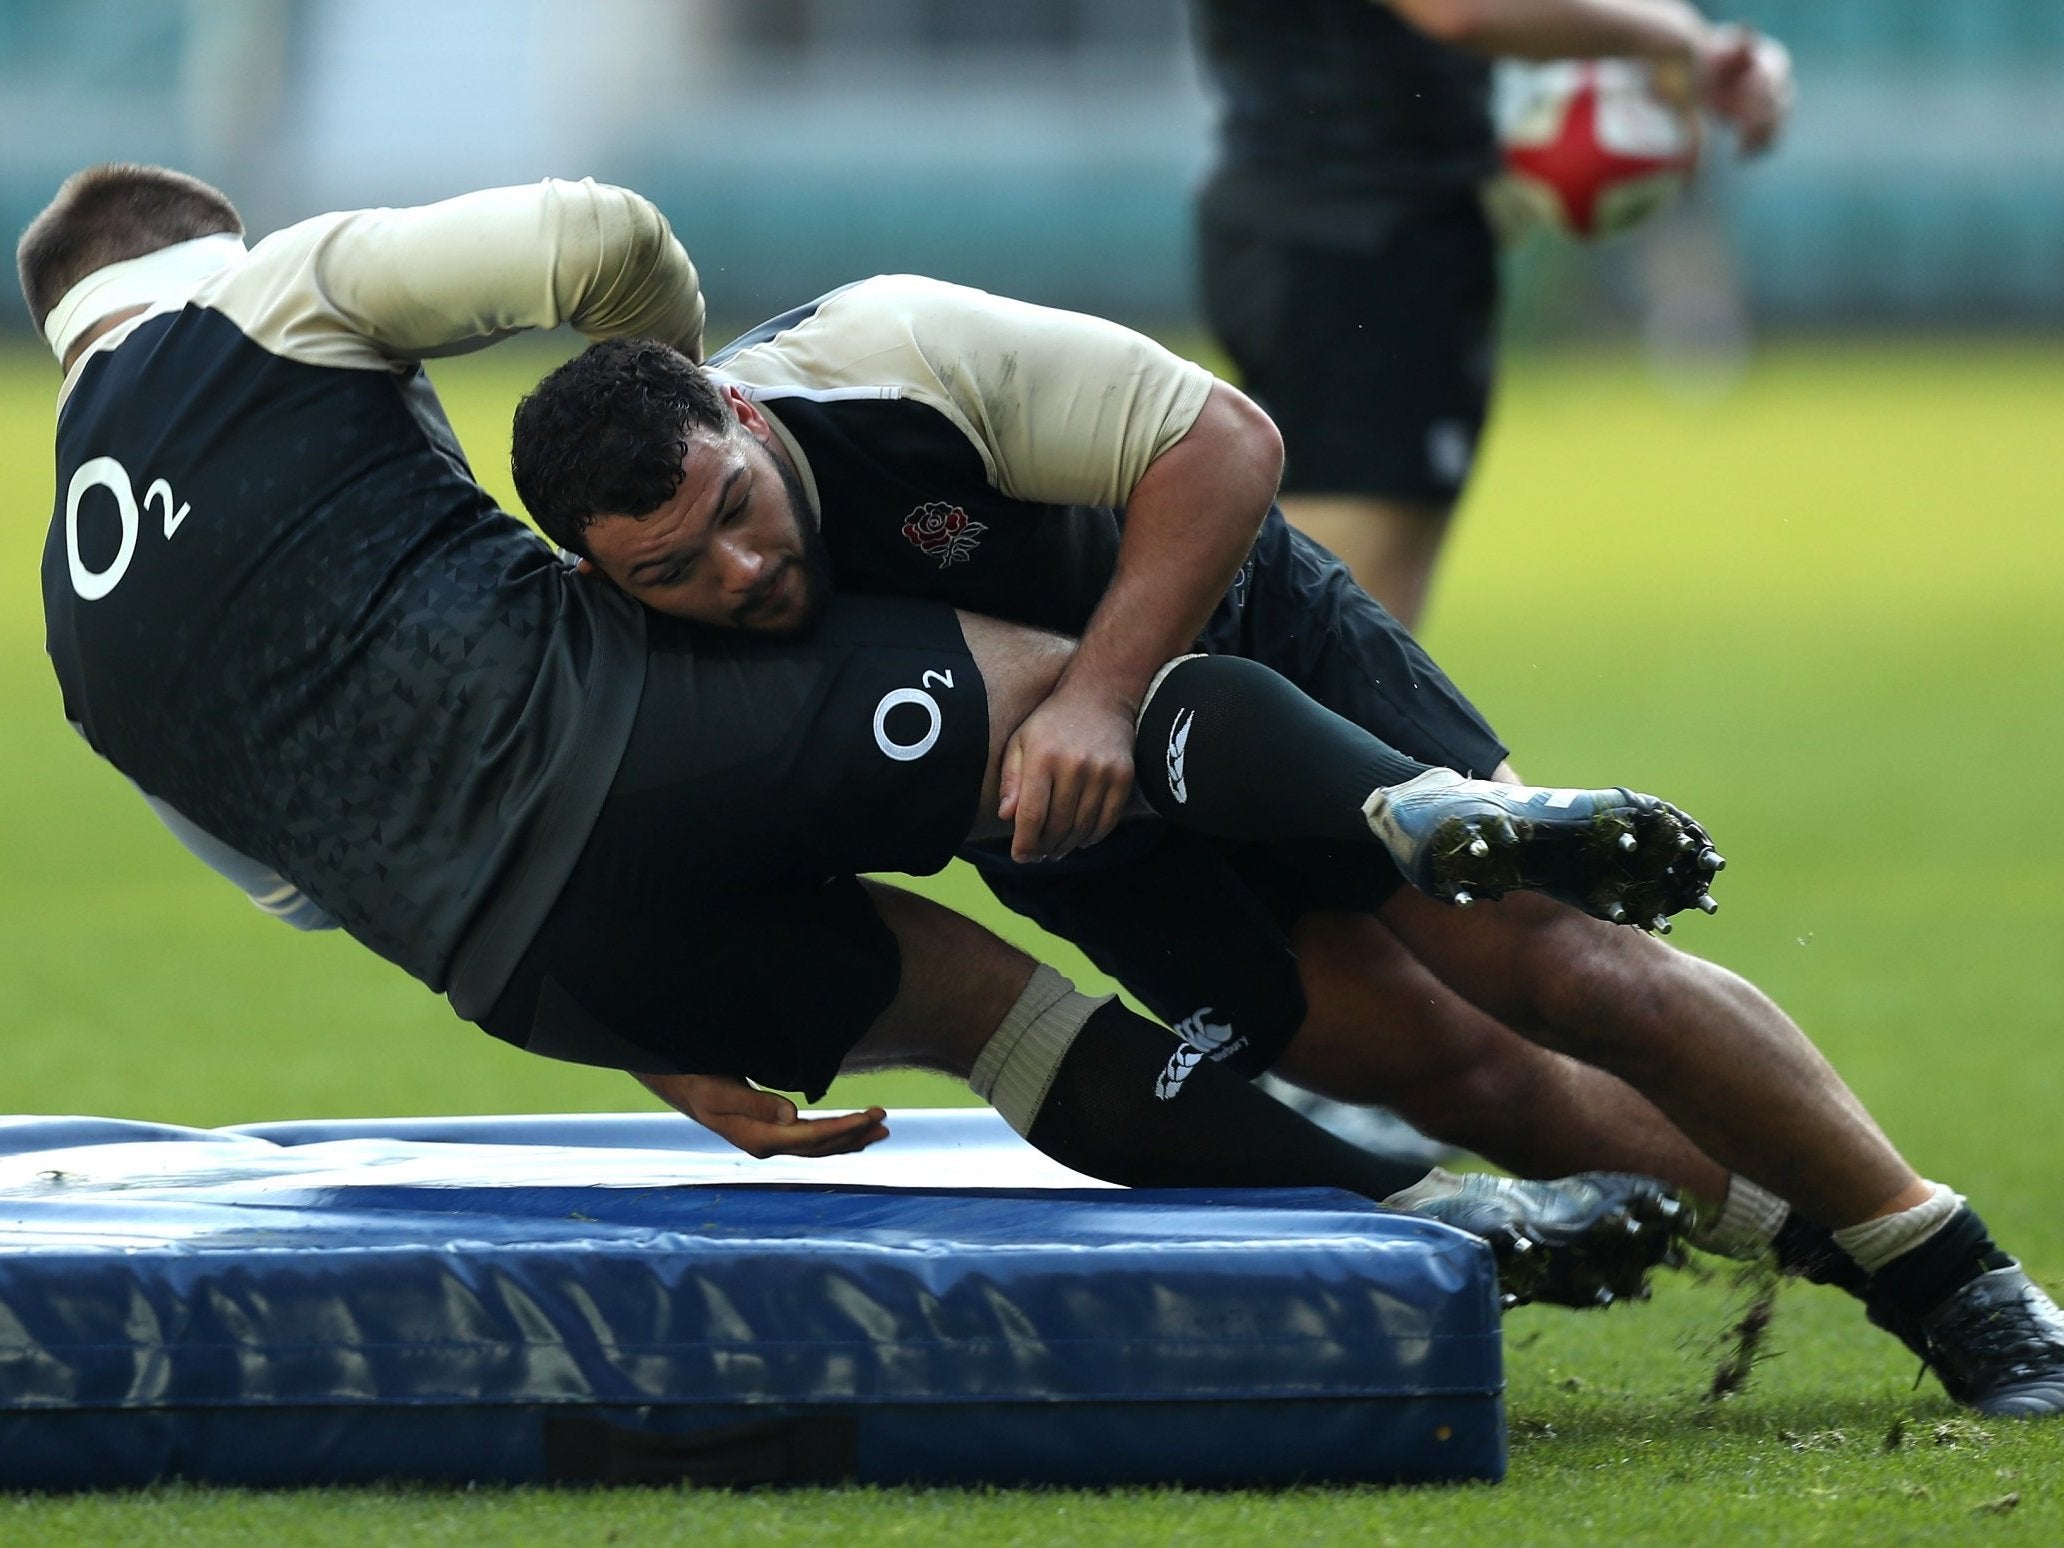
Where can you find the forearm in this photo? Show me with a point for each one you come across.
(1664, 30)
(1189, 524)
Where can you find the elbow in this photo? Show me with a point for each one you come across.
(645, 239)
(1261, 442)
(1274, 453)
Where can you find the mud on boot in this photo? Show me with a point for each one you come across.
(1617, 855)
(1584, 1241)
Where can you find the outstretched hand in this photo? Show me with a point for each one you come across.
(1745, 79)
(765, 1123)
(1066, 775)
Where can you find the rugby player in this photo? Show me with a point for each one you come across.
(909, 437)
(278, 602)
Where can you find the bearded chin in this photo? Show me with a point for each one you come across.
(814, 562)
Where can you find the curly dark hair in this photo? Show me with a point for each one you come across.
(605, 433)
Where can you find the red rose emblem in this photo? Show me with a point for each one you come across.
(942, 530)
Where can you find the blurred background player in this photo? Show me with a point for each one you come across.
(1348, 266)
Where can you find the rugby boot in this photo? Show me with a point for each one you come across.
(1996, 1344)
(1615, 854)
(1584, 1241)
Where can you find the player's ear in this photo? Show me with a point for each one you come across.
(584, 567)
(749, 415)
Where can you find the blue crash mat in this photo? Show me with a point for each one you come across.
(622, 1297)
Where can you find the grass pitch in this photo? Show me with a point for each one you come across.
(1820, 614)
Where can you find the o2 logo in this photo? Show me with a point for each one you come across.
(935, 718)
(106, 473)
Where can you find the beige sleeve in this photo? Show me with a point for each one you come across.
(373, 287)
(1064, 408)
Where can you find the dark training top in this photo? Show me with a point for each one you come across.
(1331, 106)
(278, 602)
(974, 450)
(964, 447)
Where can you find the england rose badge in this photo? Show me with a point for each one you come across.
(946, 532)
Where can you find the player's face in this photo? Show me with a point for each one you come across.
(736, 547)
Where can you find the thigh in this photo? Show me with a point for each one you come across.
(713, 924)
(1182, 928)
(1548, 971)
(1298, 610)
(1376, 361)
(1380, 1020)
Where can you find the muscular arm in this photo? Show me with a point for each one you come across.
(373, 287)
(1067, 409)
(1744, 79)
(1189, 522)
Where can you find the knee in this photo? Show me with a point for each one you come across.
(956, 982)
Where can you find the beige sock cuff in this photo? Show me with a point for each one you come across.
(1748, 1221)
(1015, 1068)
(1875, 1243)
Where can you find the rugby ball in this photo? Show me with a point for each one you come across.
(1592, 147)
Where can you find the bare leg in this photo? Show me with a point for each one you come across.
(958, 980)
(1390, 545)
(1711, 1051)
(1383, 1029)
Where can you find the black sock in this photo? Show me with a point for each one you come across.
(1227, 746)
(1808, 1249)
(1923, 1277)
(1131, 1104)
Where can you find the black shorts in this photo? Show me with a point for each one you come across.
(1376, 361)
(1199, 928)
(714, 924)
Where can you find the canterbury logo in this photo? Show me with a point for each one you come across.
(1210, 1037)
(1169, 1082)
(1178, 743)
(1201, 1039)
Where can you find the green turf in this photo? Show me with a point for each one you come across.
(1820, 614)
